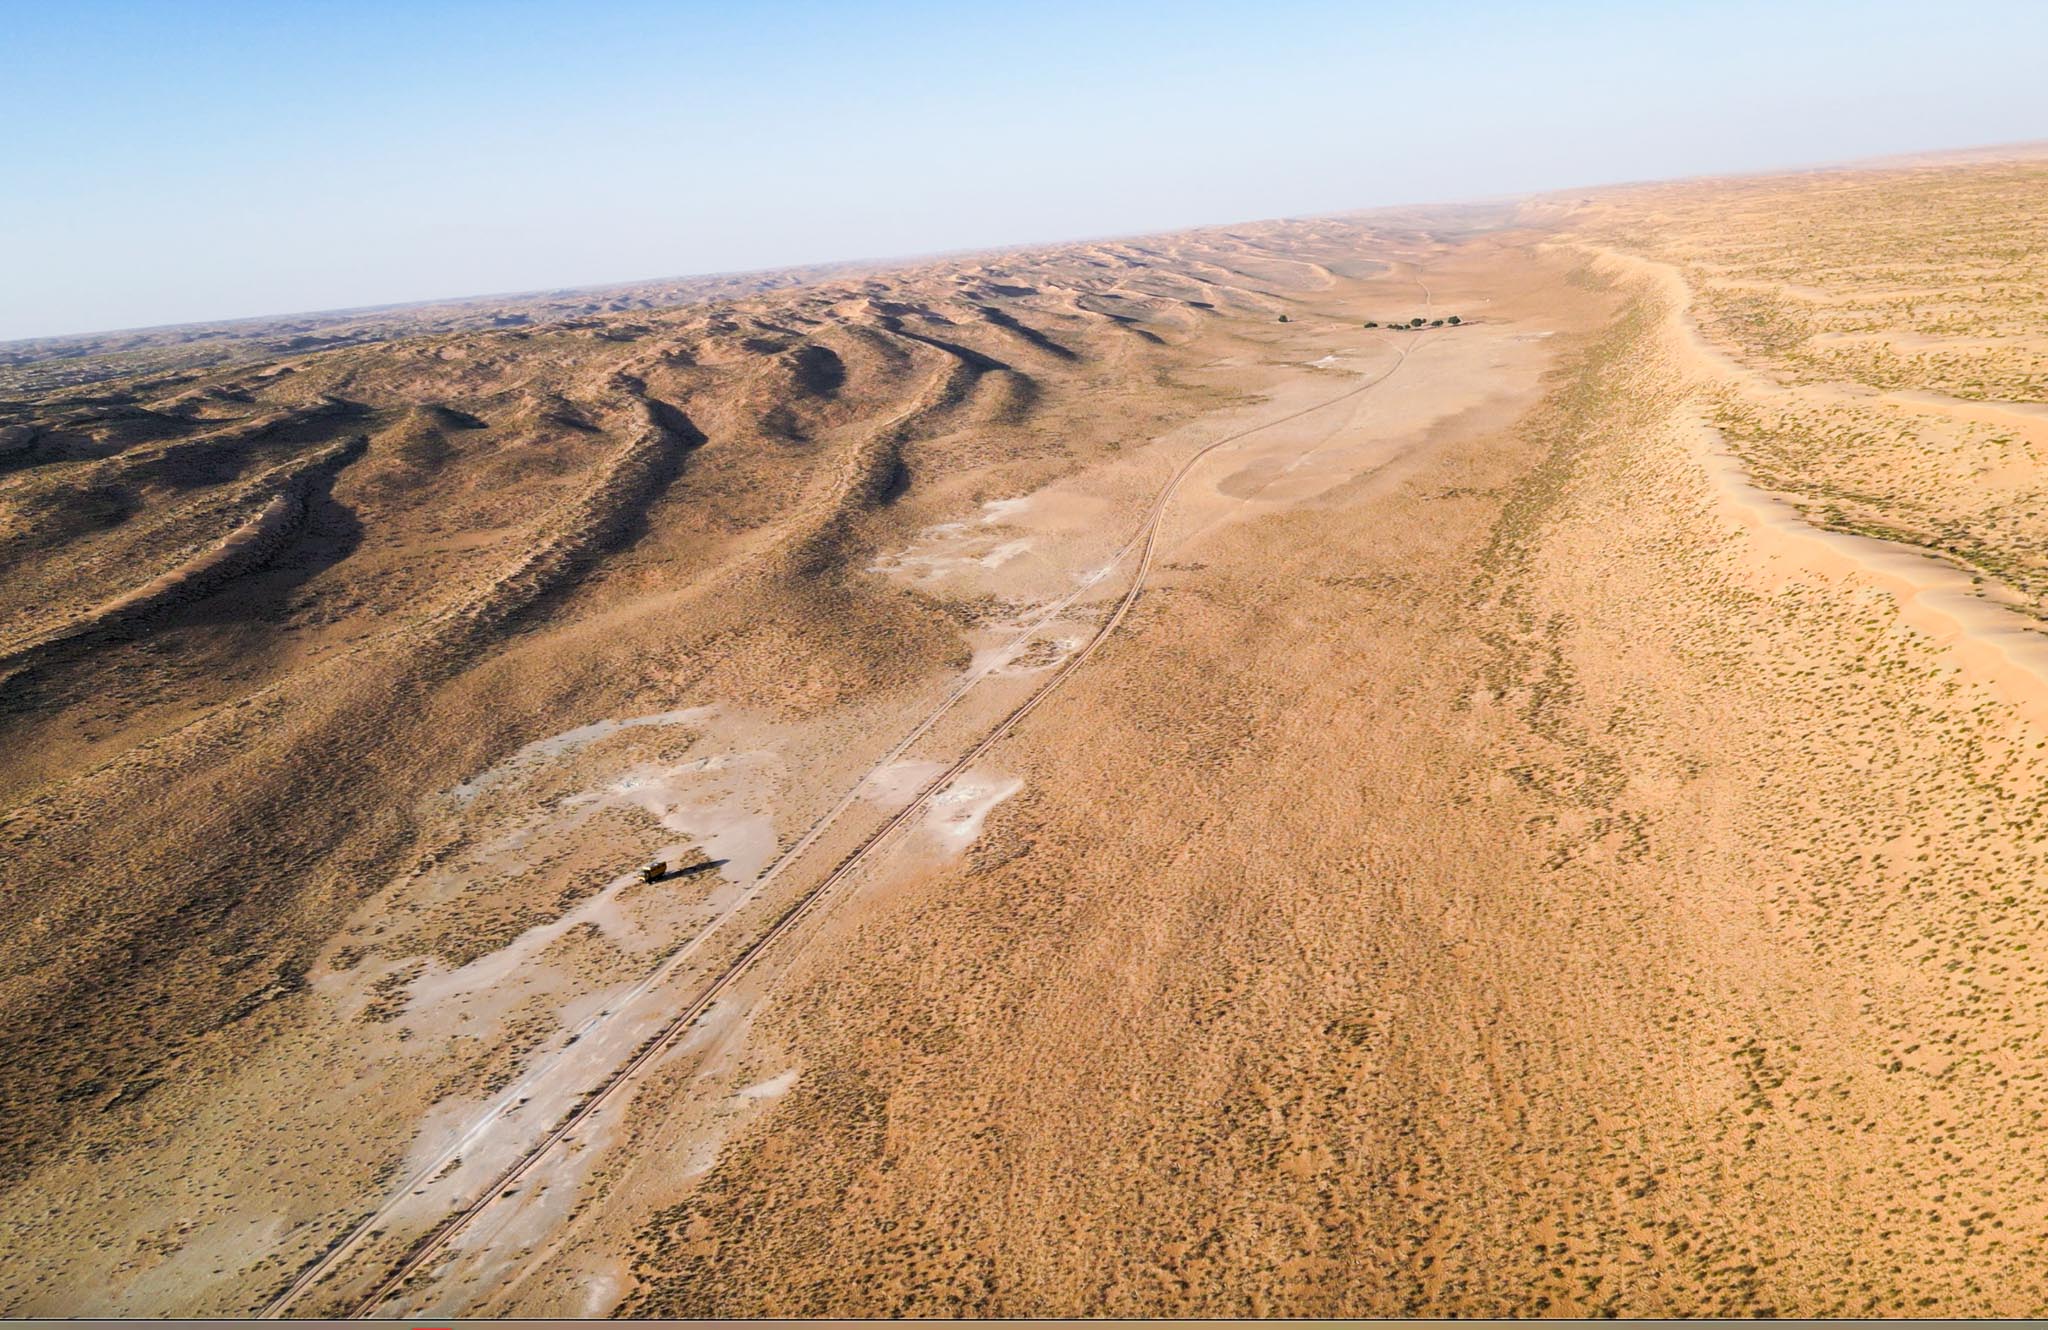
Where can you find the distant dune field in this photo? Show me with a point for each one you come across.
(1481, 761)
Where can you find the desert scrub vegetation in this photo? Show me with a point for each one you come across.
(1970, 492)
(1893, 323)
(1891, 812)
(1930, 279)
(1600, 395)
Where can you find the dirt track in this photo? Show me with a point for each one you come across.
(1145, 542)
(945, 405)
(1533, 832)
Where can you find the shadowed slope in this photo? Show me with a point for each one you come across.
(259, 613)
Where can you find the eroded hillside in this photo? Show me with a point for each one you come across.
(272, 633)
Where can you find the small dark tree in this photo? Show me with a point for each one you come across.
(1415, 322)
(1455, 320)
(1370, 324)
(1283, 318)
(1436, 323)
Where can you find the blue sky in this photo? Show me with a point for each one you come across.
(167, 162)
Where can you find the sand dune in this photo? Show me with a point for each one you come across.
(1172, 811)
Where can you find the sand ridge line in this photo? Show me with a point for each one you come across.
(339, 1252)
(992, 663)
(335, 1255)
(1934, 595)
(721, 586)
(1146, 540)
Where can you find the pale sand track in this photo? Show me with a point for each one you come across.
(1144, 542)
(666, 514)
(1548, 826)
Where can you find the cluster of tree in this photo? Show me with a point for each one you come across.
(1453, 321)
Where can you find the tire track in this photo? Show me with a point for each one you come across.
(1145, 541)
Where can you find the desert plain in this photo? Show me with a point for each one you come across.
(1486, 760)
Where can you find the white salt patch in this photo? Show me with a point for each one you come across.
(713, 801)
(1003, 553)
(541, 751)
(957, 812)
(895, 785)
(488, 1250)
(990, 659)
(773, 1088)
(1045, 652)
(498, 968)
(956, 547)
(601, 1294)
(1060, 648)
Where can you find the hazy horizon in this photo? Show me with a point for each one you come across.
(470, 151)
